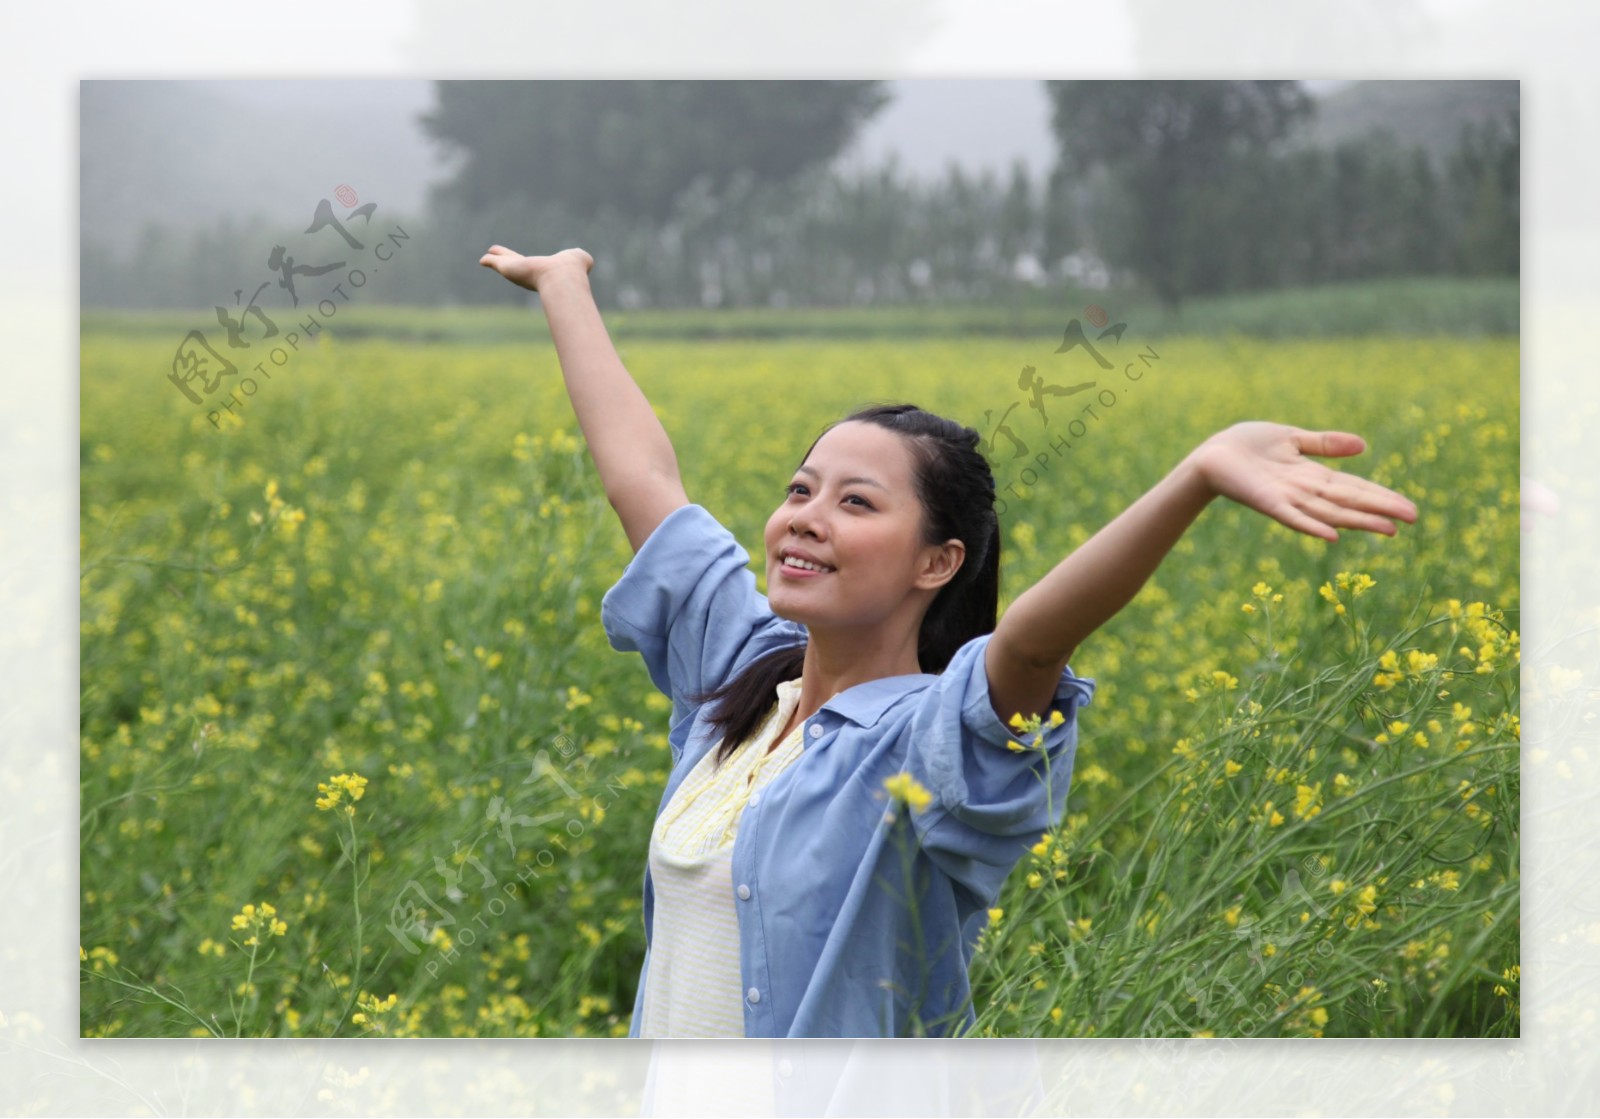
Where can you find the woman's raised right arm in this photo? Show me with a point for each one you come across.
(630, 447)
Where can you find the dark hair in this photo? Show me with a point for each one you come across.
(956, 489)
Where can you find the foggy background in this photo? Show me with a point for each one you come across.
(729, 194)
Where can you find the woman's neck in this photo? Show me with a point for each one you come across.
(835, 662)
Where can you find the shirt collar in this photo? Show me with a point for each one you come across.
(864, 704)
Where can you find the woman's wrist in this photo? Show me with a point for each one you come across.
(561, 280)
(1193, 473)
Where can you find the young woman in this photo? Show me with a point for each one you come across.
(786, 895)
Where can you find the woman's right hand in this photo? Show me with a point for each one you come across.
(530, 271)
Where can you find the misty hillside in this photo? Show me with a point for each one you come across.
(1429, 113)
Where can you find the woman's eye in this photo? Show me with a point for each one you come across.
(863, 502)
(793, 488)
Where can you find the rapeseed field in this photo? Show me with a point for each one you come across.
(357, 760)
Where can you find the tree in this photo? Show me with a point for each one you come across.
(1485, 174)
(1169, 147)
(1018, 223)
(632, 147)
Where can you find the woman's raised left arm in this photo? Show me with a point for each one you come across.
(1260, 465)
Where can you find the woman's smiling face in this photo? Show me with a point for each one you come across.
(845, 548)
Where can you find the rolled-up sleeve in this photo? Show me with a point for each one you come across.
(688, 604)
(991, 802)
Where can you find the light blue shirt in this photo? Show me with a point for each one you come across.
(857, 917)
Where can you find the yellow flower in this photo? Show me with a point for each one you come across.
(335, 788)
(1261, 590)
(1367, 900)
(1391, 674)
(1247, 608)
(995, 914)
(1307, 800)
(258, 920)
(1446, 879)
(905, 789)
(1231, 916)
(1035, 880)
(1355, 584)
(1231, 767)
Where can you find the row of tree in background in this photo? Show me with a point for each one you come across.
(720, 194)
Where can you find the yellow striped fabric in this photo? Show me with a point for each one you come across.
(693, 988)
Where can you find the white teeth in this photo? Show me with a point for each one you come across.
(795, 561)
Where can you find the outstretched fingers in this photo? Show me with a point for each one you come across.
(1341, 515)
(1367, 496)
(1294, 513)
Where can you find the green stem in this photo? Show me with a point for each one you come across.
(149, 990)
(355, 893)
(238, 1022)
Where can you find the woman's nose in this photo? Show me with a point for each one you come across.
(805, 522)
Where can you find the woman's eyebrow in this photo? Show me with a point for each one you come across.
(846, 481)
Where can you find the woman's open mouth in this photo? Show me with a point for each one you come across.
(802, 568)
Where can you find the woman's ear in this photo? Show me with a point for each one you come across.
(940, 564)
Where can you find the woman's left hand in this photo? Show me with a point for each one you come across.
(1264, 466)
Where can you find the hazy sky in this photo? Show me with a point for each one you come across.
(978, 123)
